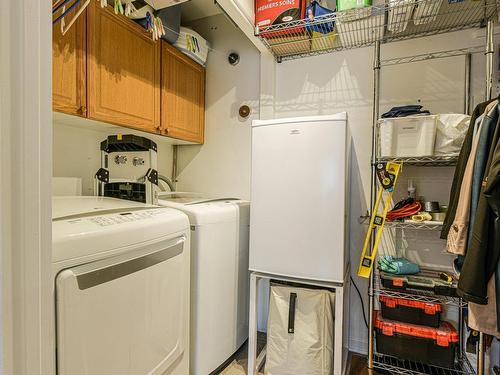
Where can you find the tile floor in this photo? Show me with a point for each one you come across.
(356, 365)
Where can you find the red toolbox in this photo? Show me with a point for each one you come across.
(410, 311)
(434, 346)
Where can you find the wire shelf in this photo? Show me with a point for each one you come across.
(422, 161)
(432, 56)
(419, 296)
(354, 28)
(398, 366)
(415, 294)
(426, 225)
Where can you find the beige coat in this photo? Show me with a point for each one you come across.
(483, 318)
(457, 236)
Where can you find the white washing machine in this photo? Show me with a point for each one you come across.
(219, 276)
(121, 287)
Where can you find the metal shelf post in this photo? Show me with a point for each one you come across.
(489, 87)
(376, 106)
(467, 94)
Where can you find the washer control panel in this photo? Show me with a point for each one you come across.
(124, 217)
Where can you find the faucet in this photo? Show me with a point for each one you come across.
(168, 181)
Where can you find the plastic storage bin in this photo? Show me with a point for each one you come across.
(426, 11)
(300, 331)
(415, 282)
(399, 14)
(407, 136)
(411, 311)
(435, 346)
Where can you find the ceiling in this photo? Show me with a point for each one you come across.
(196, 9)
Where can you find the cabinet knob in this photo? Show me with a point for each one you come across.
(165, 130)
(82, 110)
(158, 129)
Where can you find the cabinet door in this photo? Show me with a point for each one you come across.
(68, 69)
(183, 96)
(123, 71)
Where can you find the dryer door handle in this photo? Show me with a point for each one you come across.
(101, 272)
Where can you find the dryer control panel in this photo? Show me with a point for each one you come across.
(124, 217)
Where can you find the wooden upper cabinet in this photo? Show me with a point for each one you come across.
(123, 71)
(182, 96)
(68, 69)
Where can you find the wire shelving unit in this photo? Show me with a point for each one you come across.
(467, 14)
(354, 28)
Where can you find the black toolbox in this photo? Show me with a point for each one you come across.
(423, 281)
(433, 346)
(410, 311)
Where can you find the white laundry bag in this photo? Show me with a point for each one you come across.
(451, 131)
(300, 331)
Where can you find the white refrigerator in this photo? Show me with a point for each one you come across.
(300, 191)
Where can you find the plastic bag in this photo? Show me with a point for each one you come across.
(315, 10)
(300, 334)
(451, 131)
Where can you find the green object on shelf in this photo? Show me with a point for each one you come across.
(397, 266)
(352, 4)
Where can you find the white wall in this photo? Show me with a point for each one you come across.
(247, 8)
(222, 165)
(343, 82)
(76, 148)
(26, 304)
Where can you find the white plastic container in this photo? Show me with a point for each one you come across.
(308, 348)
(399, 14)
(426, 11)
(193, 45)
(407, 136)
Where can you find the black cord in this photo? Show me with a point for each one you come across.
(362, 303)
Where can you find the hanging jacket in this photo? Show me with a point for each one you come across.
(483, 318)
(497, 289)
(460, 169)
(483, 149)
(457, 236)
(484, 251)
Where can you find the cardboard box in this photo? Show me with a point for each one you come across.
(273, 12)
(290, 45)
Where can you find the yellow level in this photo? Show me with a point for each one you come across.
(388, 176)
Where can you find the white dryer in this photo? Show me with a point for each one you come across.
(219, 276)
(121, 287)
